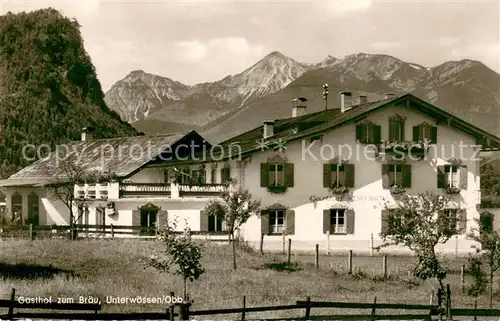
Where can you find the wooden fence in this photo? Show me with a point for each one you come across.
(184, 311)
(96, 231)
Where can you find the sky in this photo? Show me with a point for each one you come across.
(202, 41)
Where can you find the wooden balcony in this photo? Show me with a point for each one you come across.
(128, 190)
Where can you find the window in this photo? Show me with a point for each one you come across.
(198, 176)
(276, 175)
(276, 221)
(148, 221)
(33, 209)
(338, 177)
(424, 132)
(214, 223)
(225, 175)
(17, 207)
(451, 177)
(450, 215)
(212, 176)
(397, 128)
(337, 221)
(396, 175)
(100, 218)
(166, 179)
(368, 133)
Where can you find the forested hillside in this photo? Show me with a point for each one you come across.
(48, 86)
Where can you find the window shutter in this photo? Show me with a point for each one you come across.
(264, 175)
(359, 133)
(440, 177)
(166, 180)
(416, 132)
(203, 174)
(136, 221)
(406, 172)
(162, 219)
(434, 134)
(377, 134)
(462, 221)
(203, 221)
(327, 179)
(264, 222)
(326, 221)
(385, 222)
(350, 221)
(386, 180)
(349, 175)
(402, 130)
(288, 168)
(290, 222)
(462, 175)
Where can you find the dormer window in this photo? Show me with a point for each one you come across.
(397, 128)
(368, 133)
(425, 132)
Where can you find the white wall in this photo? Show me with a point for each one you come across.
(368, 196)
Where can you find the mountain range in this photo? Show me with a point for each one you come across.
(219, 110)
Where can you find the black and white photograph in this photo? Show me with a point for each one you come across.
(249, 160)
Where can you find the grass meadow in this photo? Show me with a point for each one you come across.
(100, 268)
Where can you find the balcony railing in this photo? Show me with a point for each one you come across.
(145, 189)
(169, 190)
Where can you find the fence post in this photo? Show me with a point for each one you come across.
(31, 232)
(349, 263)
(112, 231)
(462, 278)
(171, 308)
(371, 244)
(448, 302)
(374, 316)
(475, 308)
(431, 305)
(316, 257)
(289, 255)
(384, 265)
(283, 241)
(308, 308)
(262, 243)
(244, 306)
(12, 301)
(327, 242)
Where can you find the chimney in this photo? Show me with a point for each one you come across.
(87, 134)
(389, 95)
(268, 128)
(299, 107)
(363, 99)
(345, 101)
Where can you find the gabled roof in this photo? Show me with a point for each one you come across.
(121, 156)
(311, 125)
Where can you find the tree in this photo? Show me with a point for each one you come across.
(488, 252)
(235, 209)
(70, 173)
(420, 223)
(181, 255)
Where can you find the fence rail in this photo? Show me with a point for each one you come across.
(109, 231)
(184, 312)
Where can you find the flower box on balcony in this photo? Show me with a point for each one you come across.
(276, 189)
(338, 190)
(452, 190)
(396, 190)
(404, 147)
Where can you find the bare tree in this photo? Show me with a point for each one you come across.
(70, 173)
(235, 209)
